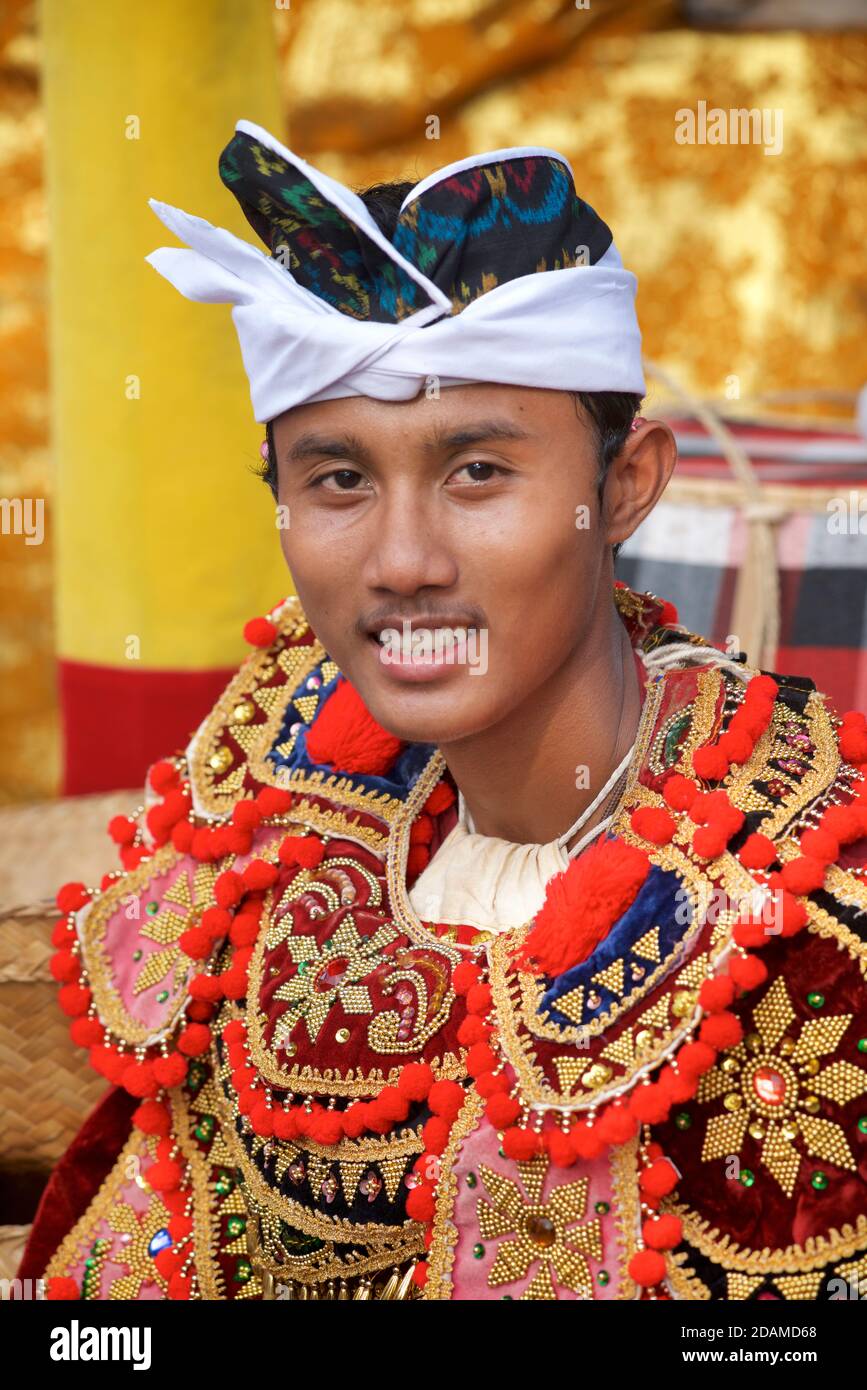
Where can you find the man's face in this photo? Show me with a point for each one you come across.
(477, 510)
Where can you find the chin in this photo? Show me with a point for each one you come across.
(428, 716)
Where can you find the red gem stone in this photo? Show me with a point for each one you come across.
(769, 1086)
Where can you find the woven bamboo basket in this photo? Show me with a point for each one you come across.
(46, 1084)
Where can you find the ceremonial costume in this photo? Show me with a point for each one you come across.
(652, 1084)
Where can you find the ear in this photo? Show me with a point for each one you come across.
(637, 479)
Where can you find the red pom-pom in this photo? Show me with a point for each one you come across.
(139, 1080)
(271, 801)
(259, 875)
(171, 1070)
(751, 933)
(346, 736)
(307, 851)
(480, 1059)
(440, 799)
(650, 1104)
(421, 831)
(522, 1144)
(658, 1178)
(853, 744)
(473, 1030)
(678, 1085)
(216, 921)
(74, 1000)
(716, 994)
(179, 1287)
(71, 897)
(721, 1030)
(821, 845)
(206, 987)
(259, 632)
(247, 815)
(680, 792)
(502, 1110)
(653, 823)
(489, 1085)
(415, 1080)
(662, 1232)
(803, 875)
(182, 836)
(647, 1268)
(65, 967)
(709, 841)
(464, 976)
(194, 1039)
(59, 1289)
(435, 1134)
(710, 763)
(419, 1274)
(355, 1120)
(843, 822)
(152, 1117)
(757, 852)
(587, 1140)
(417, 859)
(228, 889)
(163, 776)
(286, 1124)
(420, 1203)
(196, 943)
(479, 999)
(736, 745)
(616, 1124)
(164, 1175)
(262, 1119)
(445, 1098)
(122, 830)
(582, 904)
(694, 1058)
(86, 1032)
(748, 972)
(560, 1148)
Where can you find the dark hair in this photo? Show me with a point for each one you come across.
(611, 412)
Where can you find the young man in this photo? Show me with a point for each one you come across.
(494, 937)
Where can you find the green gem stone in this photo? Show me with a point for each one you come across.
(820, 1181)
(302, 968)
(862, 1124)
(815, 1000)
(472, 1180)
(501, 1151)
(137, 955)
(90, 1262)
(478, 1252)
(162, 996)
(152, 909)
(862, 1044)
(683, 1120)
(748, 1177)
(603, 1277)
(236, 1226)
(507, 1298)
(602, 1208)
(243, 1271)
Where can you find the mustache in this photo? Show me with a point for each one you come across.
(395, 615)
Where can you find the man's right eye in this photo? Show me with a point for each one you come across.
(340, 480)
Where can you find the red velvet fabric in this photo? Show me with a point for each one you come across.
(77, 1178)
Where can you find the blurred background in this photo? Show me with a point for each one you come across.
(136, 540)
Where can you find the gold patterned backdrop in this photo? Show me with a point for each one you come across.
(749, 264)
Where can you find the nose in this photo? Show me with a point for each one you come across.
(408, 550)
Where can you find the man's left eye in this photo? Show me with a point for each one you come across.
(478, 471)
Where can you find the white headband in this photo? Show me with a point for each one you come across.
(570, 330)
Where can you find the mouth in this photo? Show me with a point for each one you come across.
(420, 649)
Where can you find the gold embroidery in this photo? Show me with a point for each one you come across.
(815, 1253)
(770, 1084)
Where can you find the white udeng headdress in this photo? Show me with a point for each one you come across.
(340, 309)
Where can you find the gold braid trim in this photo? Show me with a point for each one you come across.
(69, 1251)
(206, 1218)
(623, 1161)
(815, 1253)
(441, 1258)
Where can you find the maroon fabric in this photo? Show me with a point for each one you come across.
(77, 1178)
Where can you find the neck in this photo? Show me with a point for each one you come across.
(522, 779)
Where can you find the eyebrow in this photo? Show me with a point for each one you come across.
(312, 445)
(349, 446)
(475, 434)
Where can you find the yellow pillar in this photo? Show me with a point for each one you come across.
(163, 534)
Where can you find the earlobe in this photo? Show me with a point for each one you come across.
(638, 477)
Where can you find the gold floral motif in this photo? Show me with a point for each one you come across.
(770, 1083)
(552, 1235)
(332, 972)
